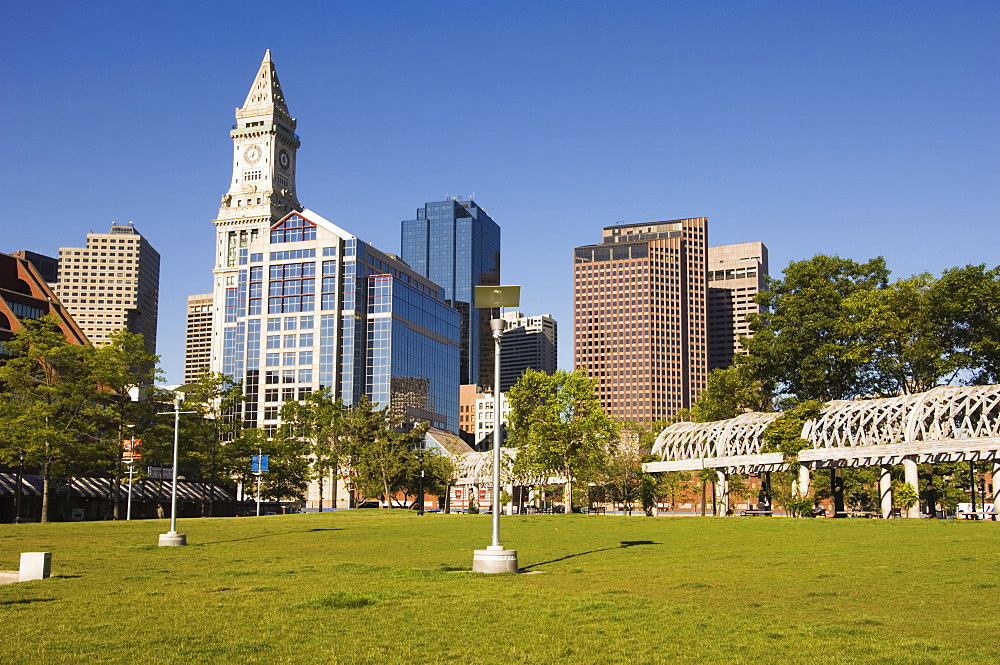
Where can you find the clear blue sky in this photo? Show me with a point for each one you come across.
(855, 128)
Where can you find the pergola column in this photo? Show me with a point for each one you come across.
(996, 487)
(912, 478)
(723, 489)
(802, 484)
(885, 489)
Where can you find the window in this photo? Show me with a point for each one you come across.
(293, 229)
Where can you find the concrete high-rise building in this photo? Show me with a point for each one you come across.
(529, 342)
(198, 340)
(736, 274)
(301, 304)
(639, 316)
(113, 283)
(467, 396)
(456, 244)
(484, 420)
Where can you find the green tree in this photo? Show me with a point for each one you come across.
(559, 426)
(899, 335)
(287, 476)
(966, 302)
(217, 399)
(379, 452)
(803, 343)
(622, 477)
(121, 366)
(676, 486)
(49, 409)
(730, 392)
(707, 476)
(319, 421)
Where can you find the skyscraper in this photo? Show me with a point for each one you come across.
(112, 284)
(529, 342)
(639, 316)
(301, 304)
(456, 244)
(736, 274)
(198, 340)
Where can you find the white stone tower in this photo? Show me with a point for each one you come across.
(262, 189)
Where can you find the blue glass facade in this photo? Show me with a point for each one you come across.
(412, 352)
(318, 308)
(457, 244)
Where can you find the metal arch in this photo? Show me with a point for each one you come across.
(956, 412)
(720, 438)
(899, 423)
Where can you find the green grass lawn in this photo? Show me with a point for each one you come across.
(370, 587)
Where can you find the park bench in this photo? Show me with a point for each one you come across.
(978, 515)
(756, 513)
(598, 509)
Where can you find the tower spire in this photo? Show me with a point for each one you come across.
(266, 91)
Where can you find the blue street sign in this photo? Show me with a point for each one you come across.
(258, 463)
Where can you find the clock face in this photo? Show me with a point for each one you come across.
(283, 159)
(252, 154)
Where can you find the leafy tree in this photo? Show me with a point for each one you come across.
(287, 476)
(438, 470)
(122, 365)
(899, 335)
(558, 425)
(804, 343)
(622, 476)
(378, 452)
(319, 421)
(676, 486)
(217, 398)
(966, 302)
(730, 392)
(707, 476)
(49, 409)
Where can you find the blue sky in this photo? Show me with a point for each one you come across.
(851, 128)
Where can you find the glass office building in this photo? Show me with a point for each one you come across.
(456, 244)
(314, 306)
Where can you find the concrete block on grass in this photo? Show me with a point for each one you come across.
(35, 566)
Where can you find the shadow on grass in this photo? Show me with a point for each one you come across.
(263, 535)
(622, 545)
(26, 601)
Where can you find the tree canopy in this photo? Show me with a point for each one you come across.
(559, 426)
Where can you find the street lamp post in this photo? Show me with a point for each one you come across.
(496, 559)
(17, 495)
(420, 482)
(172, 538)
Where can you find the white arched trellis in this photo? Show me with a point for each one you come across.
(947, 423)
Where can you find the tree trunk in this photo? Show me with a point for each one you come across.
(704, 496)
(333, 495)
(321, 493)
(568, 496)
(45, 497)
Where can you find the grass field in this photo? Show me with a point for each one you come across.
(368, 587)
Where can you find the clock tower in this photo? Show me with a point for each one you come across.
(262, 189)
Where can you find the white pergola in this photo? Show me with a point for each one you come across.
(945, 424)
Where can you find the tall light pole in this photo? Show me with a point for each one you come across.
(131, 470)
(172, 538)
(496, 559)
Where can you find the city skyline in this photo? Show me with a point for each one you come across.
(851, 129)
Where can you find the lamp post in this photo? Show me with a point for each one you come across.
(496, 559)
(420, 482)
(17, 495)
(131, 471)
(172, 538)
